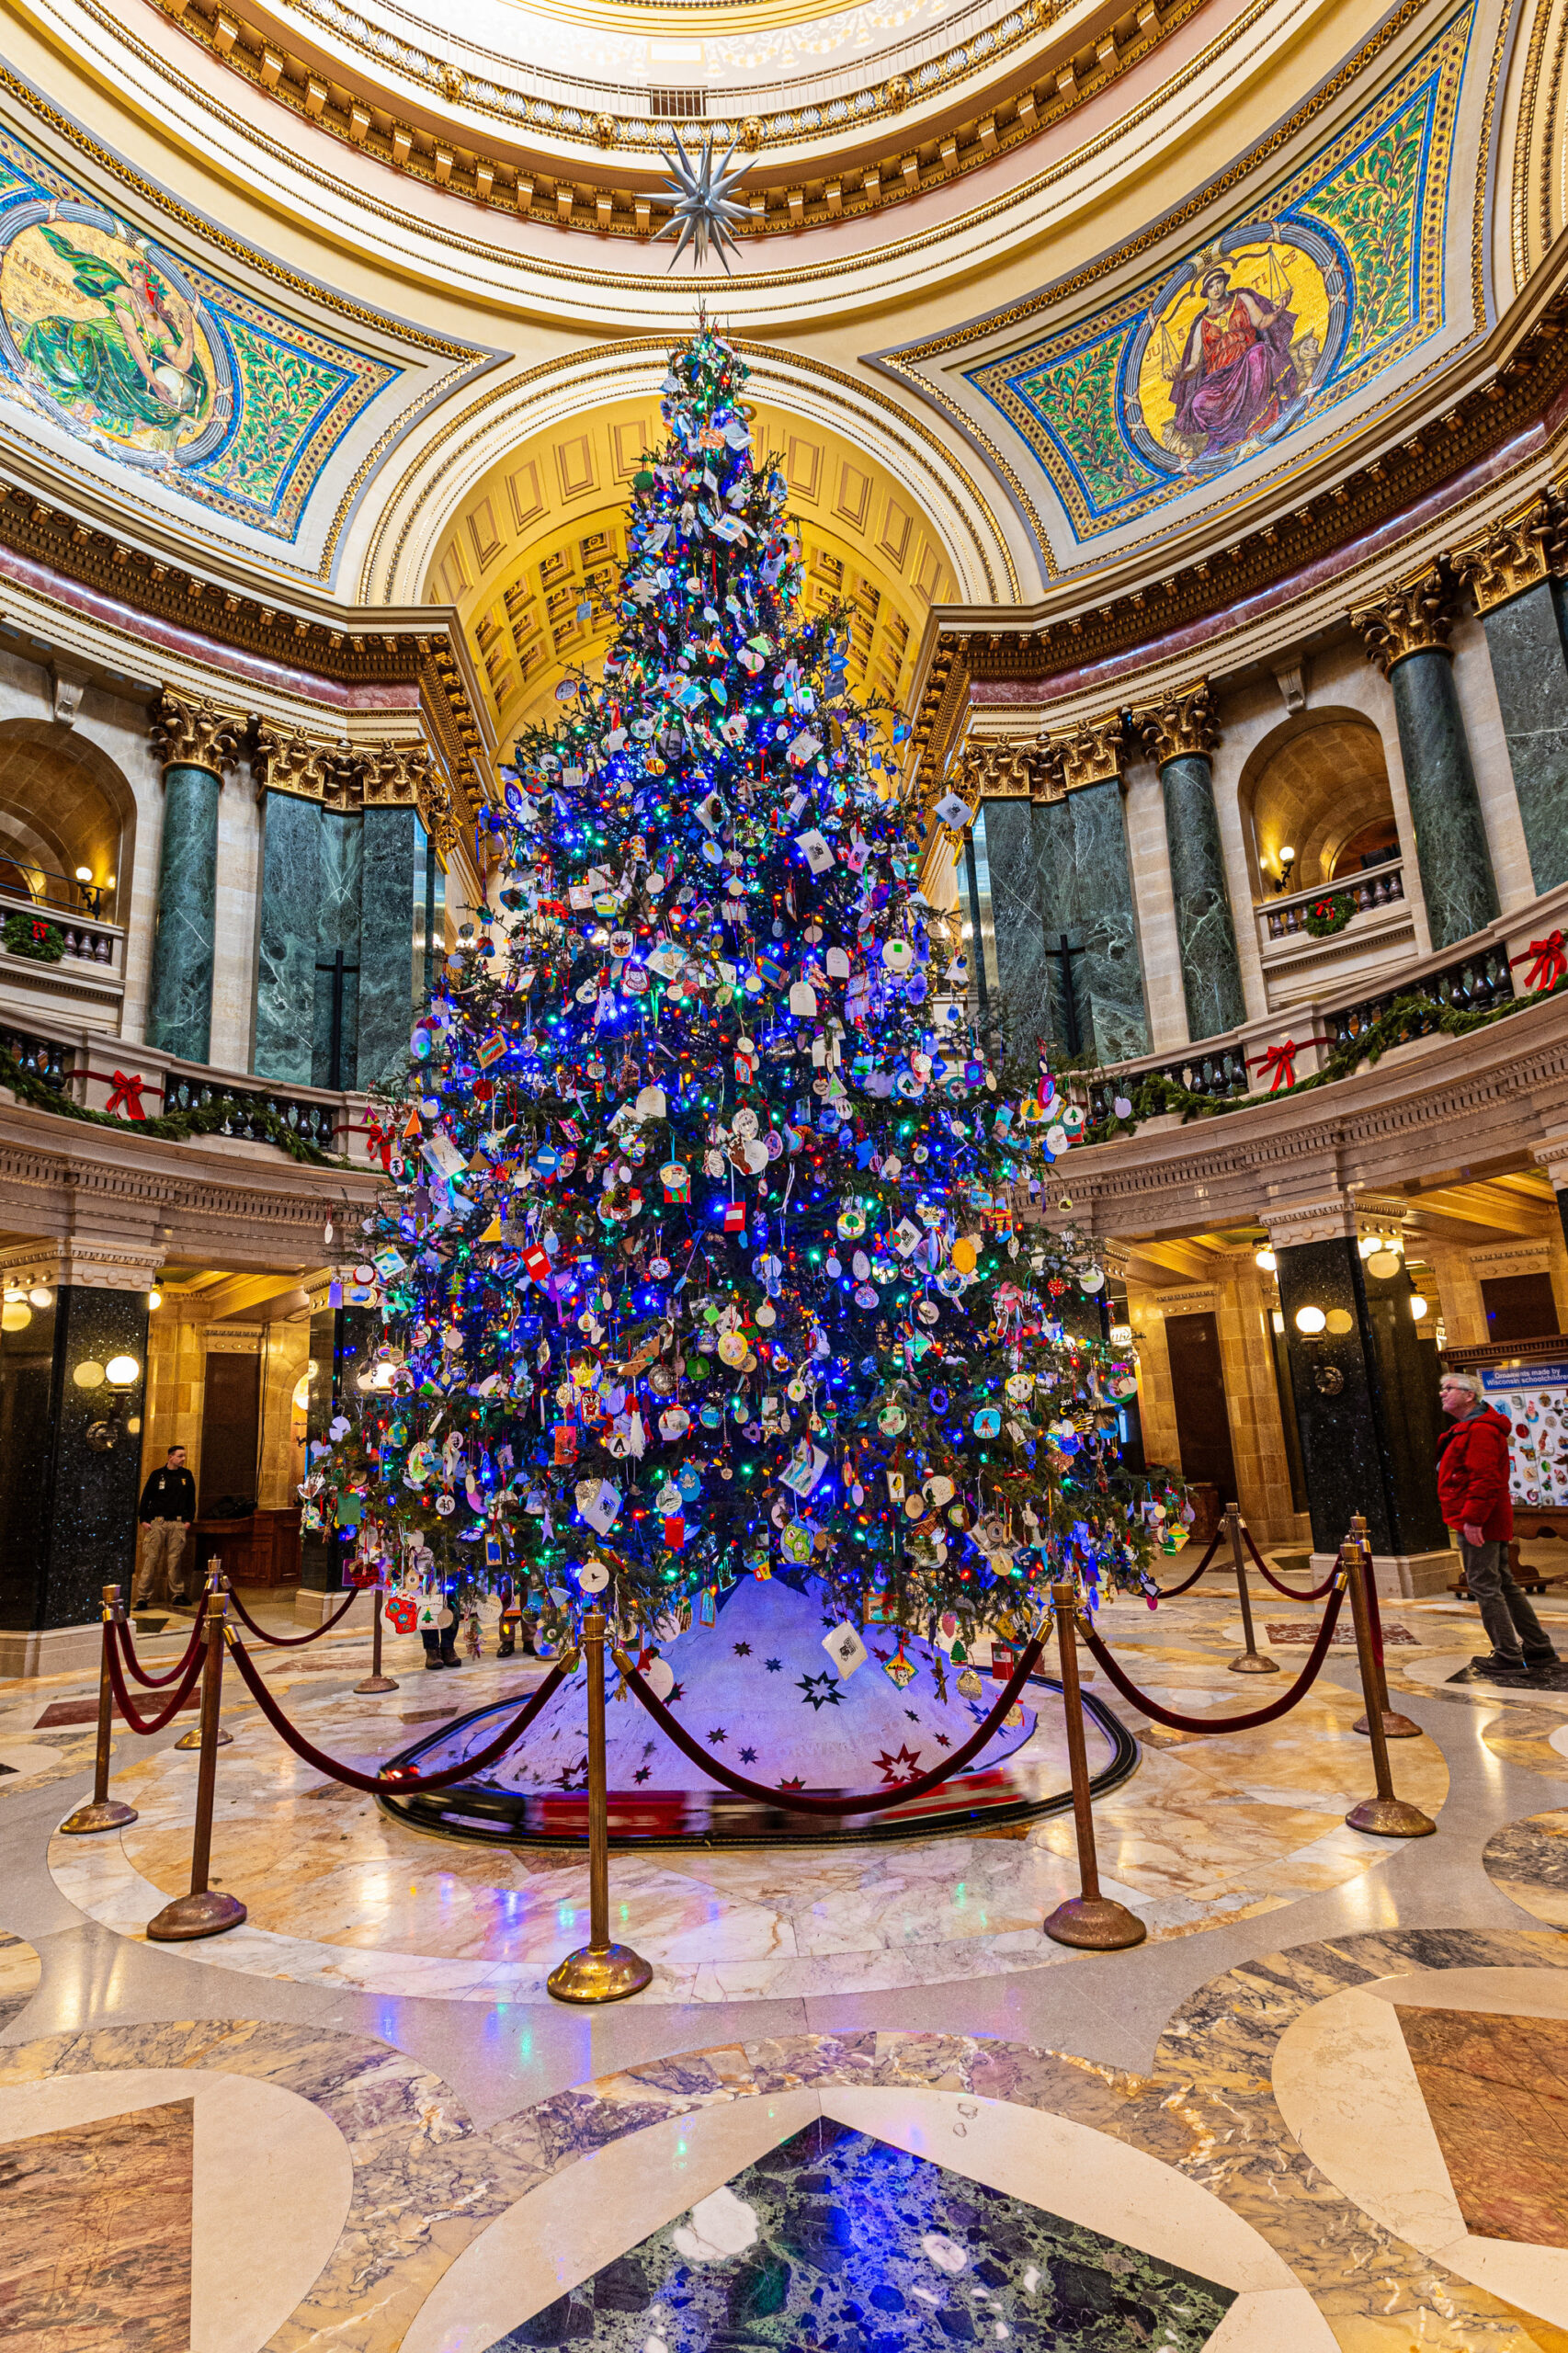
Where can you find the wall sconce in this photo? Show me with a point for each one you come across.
(88, 1374)
(1287, 861)
(1265, 1260)
(16, 1315)
(1311, 1320)
(120, 1376)
(154, 1298)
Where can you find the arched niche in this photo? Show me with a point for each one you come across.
(63, 805)
(1317, 784)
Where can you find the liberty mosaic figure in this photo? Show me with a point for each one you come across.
(132, 368)
(1235, 368)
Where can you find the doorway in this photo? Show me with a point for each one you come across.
(1198, 1379)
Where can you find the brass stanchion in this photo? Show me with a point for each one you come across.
(1251, 1660)
(206, 1910)
(598, 1970)
(1395, 1726)
(193, 1738)
(1096, 1922)
(376, 1680)
(1385, 1815)
(103, 1812)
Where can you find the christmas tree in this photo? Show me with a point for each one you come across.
(701, 1257)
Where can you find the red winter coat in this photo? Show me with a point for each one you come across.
(1472, 1476)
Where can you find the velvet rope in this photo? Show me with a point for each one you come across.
(161, 1682)
(401, 1780)
(1254, 1717)
(804, 1801)
(1169, 1592)
(1292, 1593)
(293, 1641)
(123, 1702)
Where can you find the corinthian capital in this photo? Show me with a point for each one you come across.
(1090, 754)
(1180, 727)
(997, 770)
(307, 766)
(195, 734)
(1515, 556)
(398, 774)
(1412, 620)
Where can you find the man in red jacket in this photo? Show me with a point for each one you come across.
(1472, 1487)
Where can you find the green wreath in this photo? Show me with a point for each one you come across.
(1325, 916)
(32, 936)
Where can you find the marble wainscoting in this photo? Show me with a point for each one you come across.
(286, 960)
(1208, 1829)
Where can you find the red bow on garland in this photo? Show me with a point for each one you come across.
(127, 1095)
(1549, 964)
(378, 1140)
(1281, 1061)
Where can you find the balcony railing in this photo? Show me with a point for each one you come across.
(1286, 916)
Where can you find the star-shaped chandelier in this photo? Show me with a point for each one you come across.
(704, 211)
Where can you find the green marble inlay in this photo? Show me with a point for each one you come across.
(180, 1008)
(1450, 839)
(1524, 638)
(337, 931)
(386, 941)
(286, 960)
(842, 2244)
(1210, 968)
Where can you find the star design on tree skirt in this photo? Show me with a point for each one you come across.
(820, 1690)
(719, 1738)
(902, 1768)
(942, 1741)
(641, 1773)
(912, 1715)
(704, 211)
(742, 1650)
(773, 1665)
(574, 1772)
(748, 1757)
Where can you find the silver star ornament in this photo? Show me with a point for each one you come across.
(704, 211)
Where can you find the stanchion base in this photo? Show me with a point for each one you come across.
(192, 1739)
(196, 1916)
(1254, 1663)
(376, 1683)
(1395, 1727)
(110, 1815)
(608, 1976)
(1095, 1924)
(1391, 1818)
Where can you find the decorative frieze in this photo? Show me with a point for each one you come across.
(1290, 1224)
(341, 775)
(1183, 726)
(1413, 619)
(195, 734)
(1518, 554)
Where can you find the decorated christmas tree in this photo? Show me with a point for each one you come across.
(711, 1246)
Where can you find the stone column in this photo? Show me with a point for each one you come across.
(397, 787)
(342, 1340)
(1180, 737)
(998, 779)
(1520, 608)
(289, 786)
(194, 741)
(70, 1446)
(1083, 887)
(1406, 636)
(1365, 1410)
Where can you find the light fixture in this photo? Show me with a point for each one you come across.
(1417, 1306)
(15, 1316)
(1383, 1263)
(40, 1297)
(1368, 1245)
(1311, 1320)
(1277, 1317)
(1287, 860)
(123, 1372)
(1266, 1260)
(89, 1374)
(154, 1298)
(1339, 1321)
(301, 1393)
(83, 874)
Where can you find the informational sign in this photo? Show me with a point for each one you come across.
(1535, 1399)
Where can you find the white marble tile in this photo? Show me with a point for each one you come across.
(594, 2209)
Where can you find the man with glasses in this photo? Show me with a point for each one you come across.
(1472, 1487)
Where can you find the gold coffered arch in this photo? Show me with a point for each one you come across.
(529, 558)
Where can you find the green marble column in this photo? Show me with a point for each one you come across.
(180, 1005)
(1525, 640)
(286, 961)
(1016, 931)
(337, 930)
(1440, 780)
(386, 941)
(1210, 968)
(1083, 887)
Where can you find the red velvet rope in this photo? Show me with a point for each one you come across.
(1291, 1593)
(402, 1781)
(802, 1800)
(161, 1682)
(1169, 1592)
(1256, 1716)
(122, 1699)
(293, 1641)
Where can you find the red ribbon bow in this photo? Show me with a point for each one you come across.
(1281, 1061)
(127, 1095)
(1549, 964)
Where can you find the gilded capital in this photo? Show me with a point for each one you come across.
(998, 770)
(195, 734)
(311, 768)
(1091, 753)
(1181, 727)
(1412, 620)
(1515, 556)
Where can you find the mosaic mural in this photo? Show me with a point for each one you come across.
(156, 365)
(1333, 279)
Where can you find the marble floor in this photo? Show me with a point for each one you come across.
(864, 2106)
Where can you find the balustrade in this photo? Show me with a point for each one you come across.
(1374, 887)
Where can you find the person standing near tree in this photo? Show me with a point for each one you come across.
(1472, 1487)
(167, 1508)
